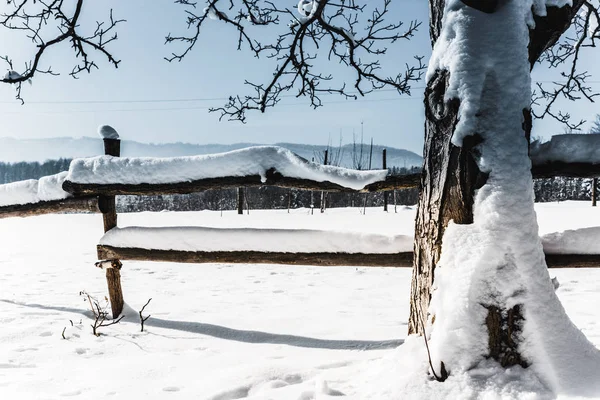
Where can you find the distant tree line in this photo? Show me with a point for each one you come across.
(560, 189)
(12, 172)
(549, 189)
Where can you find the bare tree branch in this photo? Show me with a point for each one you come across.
(318, 31)
(48, 23)
(584, 33)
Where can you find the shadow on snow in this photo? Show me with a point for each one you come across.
(239, 335)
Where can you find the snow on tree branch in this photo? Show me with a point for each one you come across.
(48, 23)
(584, 33)
(343, 31)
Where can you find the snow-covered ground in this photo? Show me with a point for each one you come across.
(224, 331)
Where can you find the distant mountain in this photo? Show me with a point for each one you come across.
(15, 150)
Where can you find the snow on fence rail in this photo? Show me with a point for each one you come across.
(273, 246)
(254, 166)
(46, 195)
(570, 155)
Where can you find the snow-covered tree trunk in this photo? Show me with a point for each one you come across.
(475, 278)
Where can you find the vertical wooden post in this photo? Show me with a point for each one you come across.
(385, 194)
(323, 194)
(112, 147)
(594, 191)
(312, 198)
(240, 200)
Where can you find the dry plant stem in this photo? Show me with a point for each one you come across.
(443, 368)
(142, 318)
(89, 298)
(100, 315)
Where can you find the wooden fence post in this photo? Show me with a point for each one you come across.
(323, 193)
(240, 200)
(594, 191)
(112, 147)
(385, 194)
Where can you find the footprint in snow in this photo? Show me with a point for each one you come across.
(71, 394)
(234, 394)
(24, 349)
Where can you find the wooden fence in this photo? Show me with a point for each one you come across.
(101, 198)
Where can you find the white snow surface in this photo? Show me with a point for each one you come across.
(579, 241)
(247, 239)
(12, 75)
(257, 332)
(108, 132)
(584, 148)
(498, 260)
(33, 191)
(249, 161)
(307, 8)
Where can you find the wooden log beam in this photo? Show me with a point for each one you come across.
(573, 260)
(569, 170)
(274, 178)
(395, 182)
(402, 260)
(70, 205)
(257, 257)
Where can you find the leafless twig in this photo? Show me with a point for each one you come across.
(573, 83)
(48, 23)
(100, 312)
(317, 32)
(142, 318)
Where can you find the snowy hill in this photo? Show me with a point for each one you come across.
(15, 150)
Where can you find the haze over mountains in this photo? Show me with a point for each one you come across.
(16, 150)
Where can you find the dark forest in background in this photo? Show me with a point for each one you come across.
(12, 172)
(550, 189)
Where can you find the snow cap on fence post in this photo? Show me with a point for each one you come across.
(107, 132)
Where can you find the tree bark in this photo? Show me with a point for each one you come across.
(448, 182)
(450, 178)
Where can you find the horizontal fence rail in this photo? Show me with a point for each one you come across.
(85, 204)
(256, 257)
(396, 260)
(274, 178)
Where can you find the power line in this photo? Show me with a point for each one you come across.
(349, 101)
(203, 99)
(183, 100)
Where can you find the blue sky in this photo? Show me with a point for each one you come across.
(62, 106)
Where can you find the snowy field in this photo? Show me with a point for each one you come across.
(222, 332)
